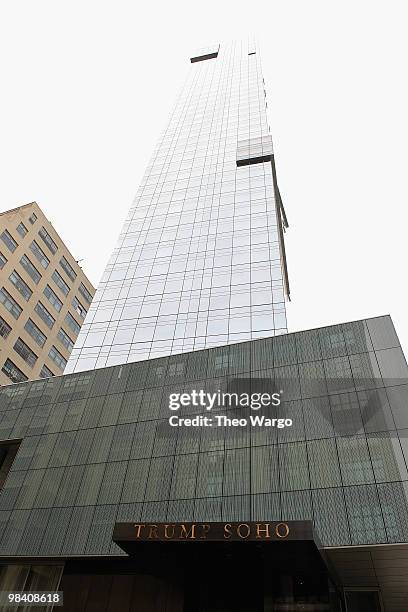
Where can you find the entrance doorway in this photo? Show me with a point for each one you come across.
(226, 578)
(203, 577)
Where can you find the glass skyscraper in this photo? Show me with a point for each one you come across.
(200, 261)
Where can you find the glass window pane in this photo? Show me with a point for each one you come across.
(10, 304)
(13, 372)
(39, 254)
(52, 298)
(59, 281)
(65, 340)
(57, 358)
(44, 315)
(68, 269)
(35, 332)
(22, 230)
(25, 352)
(30, 269)
(48, 240)
(8, 240)
(20, 285)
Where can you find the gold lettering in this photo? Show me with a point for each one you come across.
(192, 531)
(185, 533)
(153, 532)
(166, 535)
(260, 530)
(138, 526)
(248, 531)
(205, 528)
(282, 530)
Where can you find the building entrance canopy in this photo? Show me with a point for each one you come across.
(233, 565)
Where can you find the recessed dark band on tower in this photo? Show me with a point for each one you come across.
(201, 58)
(254, 160)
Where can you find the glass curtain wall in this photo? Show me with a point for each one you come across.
(198, 262)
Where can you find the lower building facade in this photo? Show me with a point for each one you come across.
(136, 487)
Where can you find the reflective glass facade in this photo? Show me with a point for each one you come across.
(199, 262)
(96, 450)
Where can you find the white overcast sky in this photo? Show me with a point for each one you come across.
(86, 87)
